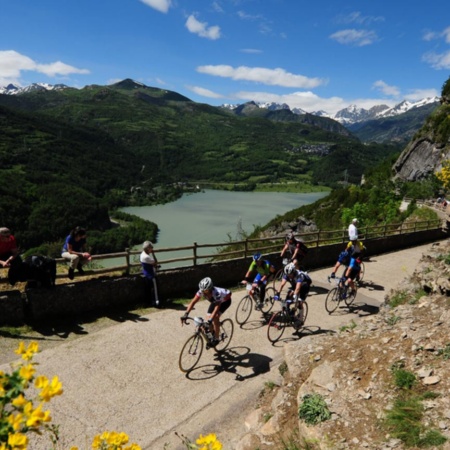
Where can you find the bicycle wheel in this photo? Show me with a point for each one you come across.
(332, 300)
(362, 272)
(244, 309)
(226, 333)
(268, 300)
(277, 325)
(277, 278)
(305, 311)
(351, 295)
(191, 352)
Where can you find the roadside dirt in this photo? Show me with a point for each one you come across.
(121, 372)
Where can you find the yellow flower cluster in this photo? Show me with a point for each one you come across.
(208, 442)
(444, 174)
(111, 440)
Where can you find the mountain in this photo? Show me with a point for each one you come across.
(430, 146)
(11, 89)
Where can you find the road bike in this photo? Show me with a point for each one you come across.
(245, 306)
(203, 337)
(279, 274)
(291, 314)
(340, 293)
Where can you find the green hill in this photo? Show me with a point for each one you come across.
(70, 156)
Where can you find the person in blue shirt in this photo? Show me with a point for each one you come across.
(74, 251)
(352, 273)
(264, 269)
(149, 265)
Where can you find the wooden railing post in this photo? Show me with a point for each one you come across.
(245, 247)
(127, 260)
(318, 238)
(195, 254)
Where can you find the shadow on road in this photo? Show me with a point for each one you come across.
(236, 360)
(291, 334)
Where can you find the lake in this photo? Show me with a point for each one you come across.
(212, 216)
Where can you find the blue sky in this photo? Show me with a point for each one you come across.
(315, 54)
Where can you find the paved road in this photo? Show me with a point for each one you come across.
(126, 377)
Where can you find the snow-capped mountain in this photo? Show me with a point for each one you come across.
(352, 114)
(11, 89)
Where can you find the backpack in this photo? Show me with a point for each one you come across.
(38, 269)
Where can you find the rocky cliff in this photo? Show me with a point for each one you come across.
(430, 147)
(358, 372)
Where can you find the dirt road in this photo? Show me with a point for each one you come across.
(126, 377)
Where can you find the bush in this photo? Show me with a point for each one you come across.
(314, 409)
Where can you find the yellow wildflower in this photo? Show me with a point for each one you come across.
(51, 389)
(27, 372)
(37, 417)
(209, 442)
(27, 352)
(133, 447)
(41, 382)
(20, 401)
(17, 441)
(16, 421)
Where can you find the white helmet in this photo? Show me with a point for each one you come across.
(205, 284)
(289, 269)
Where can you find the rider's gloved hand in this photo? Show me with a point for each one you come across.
(210, 321)
(294, 297)
(184, 318)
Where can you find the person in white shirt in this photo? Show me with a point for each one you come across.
(352, 230)
(149, 265)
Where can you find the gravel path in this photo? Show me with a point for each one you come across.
(125, 377)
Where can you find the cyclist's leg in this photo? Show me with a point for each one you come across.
(262, 291)
(222, 308)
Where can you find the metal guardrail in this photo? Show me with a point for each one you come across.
(243, 248)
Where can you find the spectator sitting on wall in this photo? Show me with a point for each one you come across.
(74, 251)
(8, 247)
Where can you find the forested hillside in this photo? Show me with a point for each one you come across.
(70, 156)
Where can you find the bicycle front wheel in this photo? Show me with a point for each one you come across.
(277, 278)
(226, 333)
(244, 309)
(332, 300)
(190, 353)
(268, 300)
(277, 325)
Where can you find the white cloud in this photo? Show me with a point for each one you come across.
(217, 7)
(12, 64)
(355, 37)
(430, 35)
(160, 5)
(272, 77)
(446, 34)
(202, 29)
(419, 94)
(438, 60)
(392, 91)
(357, 17)
(204, 92)
(250, 50)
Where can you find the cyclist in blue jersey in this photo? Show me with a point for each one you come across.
(220, 301)
(264, 269)
(354, 249)
(352, 273)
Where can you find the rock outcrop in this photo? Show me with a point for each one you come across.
(353, 371)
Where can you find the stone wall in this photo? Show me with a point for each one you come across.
(105, 293)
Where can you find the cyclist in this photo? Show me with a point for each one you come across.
(264, 269)
(354, 249)
(295, 247)
(352, 273)
(300, 283)
(220, 301)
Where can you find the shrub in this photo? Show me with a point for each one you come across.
(314, 409)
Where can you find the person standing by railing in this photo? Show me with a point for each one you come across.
(8, 247)
(352, 230)
(149, 265)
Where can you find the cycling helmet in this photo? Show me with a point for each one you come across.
(289, 236)
(257, 257)
(289, 269)
(205, 284)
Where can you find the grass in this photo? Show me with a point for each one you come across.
(352, 325)
(445, 352)
(400, 298)
(283, 368)
(392, 320)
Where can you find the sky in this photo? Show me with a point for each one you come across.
(314, 55)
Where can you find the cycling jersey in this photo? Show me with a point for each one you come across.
(263, 269)
(299, 277)
(218, 295)
(291, 247)
(354, 267)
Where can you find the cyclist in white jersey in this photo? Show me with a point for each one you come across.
(220, 301)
